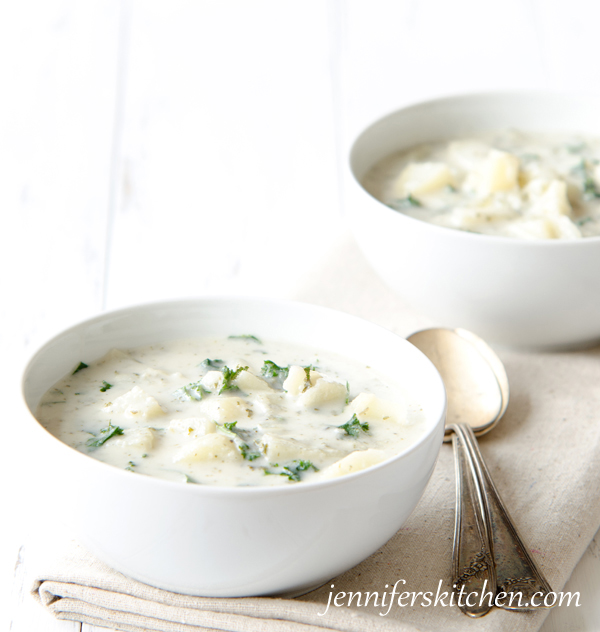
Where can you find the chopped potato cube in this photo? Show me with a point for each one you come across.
(250, 383)
(564, 228)
(464, 217)
(499, 172)
(553, 202)
(296, 382)
(208, 448)
(212, 381)
(282, 451)
(136, 403)
(371, 409)
(354, 462)
(192, 426)
(322, 393)
(141, 438)
(266, 402)
(225, 409)
(422, 177)
(532, 229)
(535, 188)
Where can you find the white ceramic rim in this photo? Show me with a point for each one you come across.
(230, 491)
(462, 234)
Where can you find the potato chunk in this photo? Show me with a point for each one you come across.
(212, 381)
(564, 228)
(225, 409)
(250, 383)
(323, 393)
(136, 404)
(545, 228)
(532, 229)
(211, 447)
(140, 438)
(499, 172)
(371, 409)
(282, 451)
(192, 426)
(296, 382)
(354, 462)
(267, 402)
(553, 202)
(422, 177)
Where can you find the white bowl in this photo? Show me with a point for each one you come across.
(535, 294)
(231, 541)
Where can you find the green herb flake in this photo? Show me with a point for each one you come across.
(307, 382)
(526, 158)
(347, 393)
(105, 386)
(575, 148)
(247, 452)
(105, 434)
(404, 203)
(228, 429)
(212, 364)
(270, 369)
(354, 427)
(293, 471)
(193, 391)
(239, 437)
(246, 337)
(130, 466)
(590, 190)
(80, 367)
(229, 376)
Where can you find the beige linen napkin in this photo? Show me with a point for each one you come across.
(544, 457)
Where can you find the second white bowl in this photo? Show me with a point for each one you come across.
(534, 294)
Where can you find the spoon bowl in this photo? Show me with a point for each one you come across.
(475, 379)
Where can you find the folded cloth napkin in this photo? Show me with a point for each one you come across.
(544, 457)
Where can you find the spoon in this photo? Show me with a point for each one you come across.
(489, 556)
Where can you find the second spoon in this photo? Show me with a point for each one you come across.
(488, 550)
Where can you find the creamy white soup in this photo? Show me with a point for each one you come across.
(233, 411)
(510, 183)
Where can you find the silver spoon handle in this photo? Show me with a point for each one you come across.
(473, 566)
(516, 572)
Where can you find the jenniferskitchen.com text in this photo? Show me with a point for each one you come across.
(395, 596)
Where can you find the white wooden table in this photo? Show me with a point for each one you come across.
(152, 150)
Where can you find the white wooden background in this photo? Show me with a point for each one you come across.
(164, 149)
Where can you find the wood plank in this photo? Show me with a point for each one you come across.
(29, 616)
(228, 174)
(58, 63)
